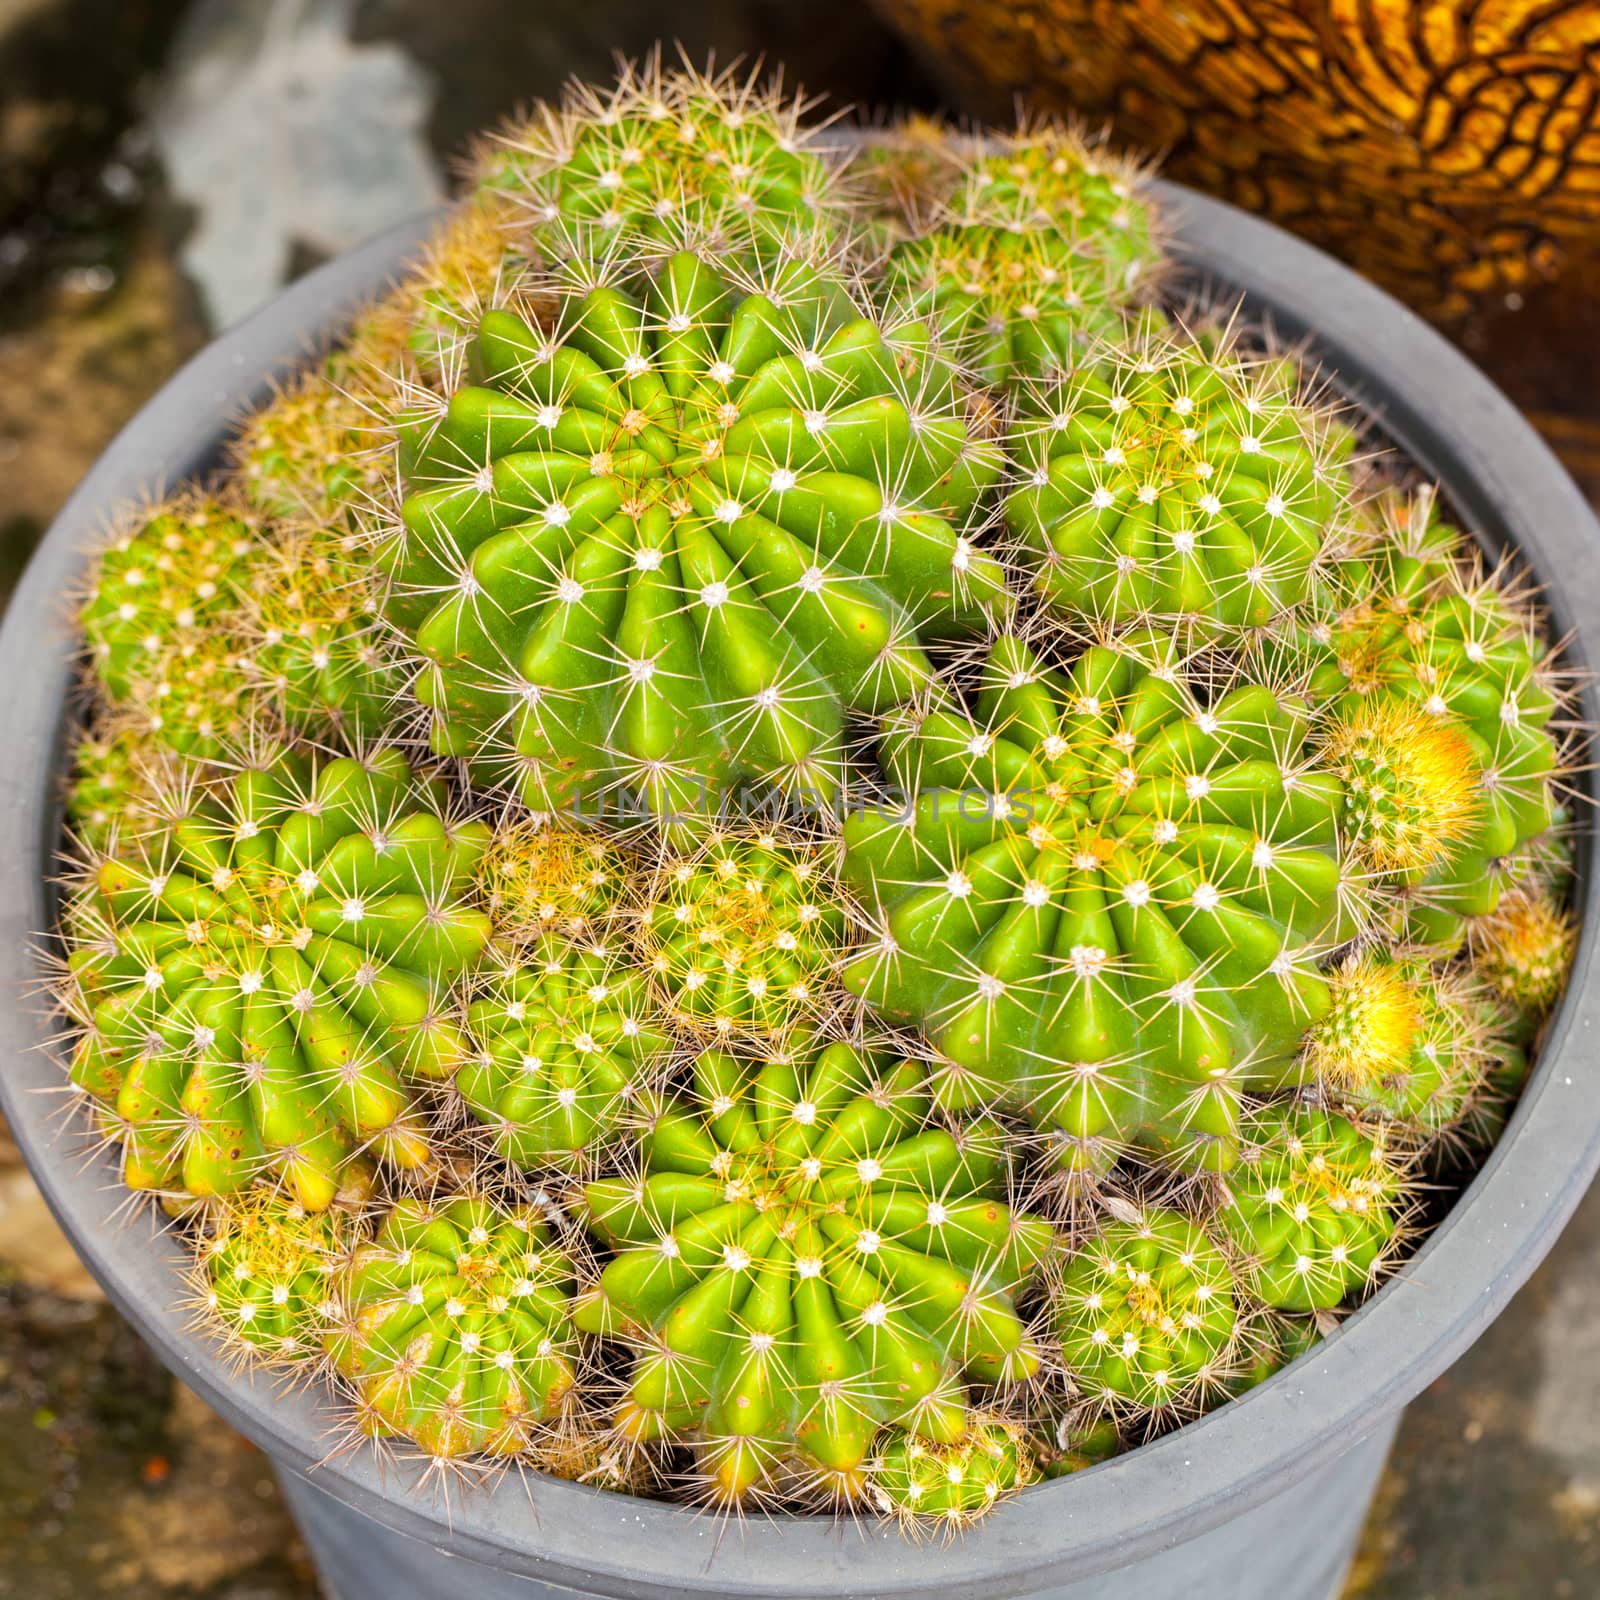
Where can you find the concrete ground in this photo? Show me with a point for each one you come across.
(120, 248)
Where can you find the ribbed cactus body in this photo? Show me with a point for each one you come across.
(665, 549)
(1147, 1312)
(457, 1330)
(743, 935)
(157, 587)
(266, 1276)
(804, 1259)
(1102, 896)
(262, 984)
(950, 1485)
(1175, 481)
(1312, 1208)
(315, 451)
(659, 152)
(568, 1040)
(1047, 180)
(1011, 306)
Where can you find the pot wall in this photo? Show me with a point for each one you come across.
(1297, 1546)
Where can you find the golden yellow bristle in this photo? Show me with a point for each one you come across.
(1413, 784)
(1524, 947)
(1367, 1035)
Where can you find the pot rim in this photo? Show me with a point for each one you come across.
(1506, 486)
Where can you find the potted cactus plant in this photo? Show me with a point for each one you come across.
(798, 839)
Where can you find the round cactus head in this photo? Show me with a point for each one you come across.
(1412, 786)
(1104, 894)
(1147, 1313)
(260, 985)
(743, 935)
(198, 700)
(265, 1276)
(157, 586)
(1176, 481)
(1410, 634)
(538, 877)
(1048, 180)
(948, 1487)
(660, 147)
(569, 1042)
(1522, 950)
(662, 549)
(1400, 1042)
(1314, 1208)
(456, 1328)
(312, 636)
(315, 451)
(806, 1258)
(1011, 306)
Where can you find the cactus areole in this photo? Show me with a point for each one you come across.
(1278, 1447)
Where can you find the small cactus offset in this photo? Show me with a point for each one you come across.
(265, 1277)
(663, 550)
(568, 1044)
(743, 935)
(804, 1259)
(318, 658)
(1314, 1207)
(259, 988)
(538, 877)
(456, 1329)
(156, 586)
(1148, 1313)
(113, 795)
(1400, 1042)
(974, 854)
(949, 1486)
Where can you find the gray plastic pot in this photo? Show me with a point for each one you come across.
(1262, 1500)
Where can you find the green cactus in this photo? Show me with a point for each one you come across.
(261, 986)
(744, 934)
(1147, 1313)
(198, 700)
(1315, 1207)
(1176, 481)
(950, 1485)
(1012, 306)
(1047, 179)
(117, 779)
(1274, 1342)
(1073, 1443)
(1027, 266)
(157, 586)
(1103, 897)
(1522, 951)
(457, 1331)
(569, 1043)
(539, 878)
(807, 1258)
(1409, 633)
(659, 150)
(665, 549)
(1402, 1042)
(265, 1276)
(313, 639)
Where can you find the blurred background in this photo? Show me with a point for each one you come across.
(167, 165)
